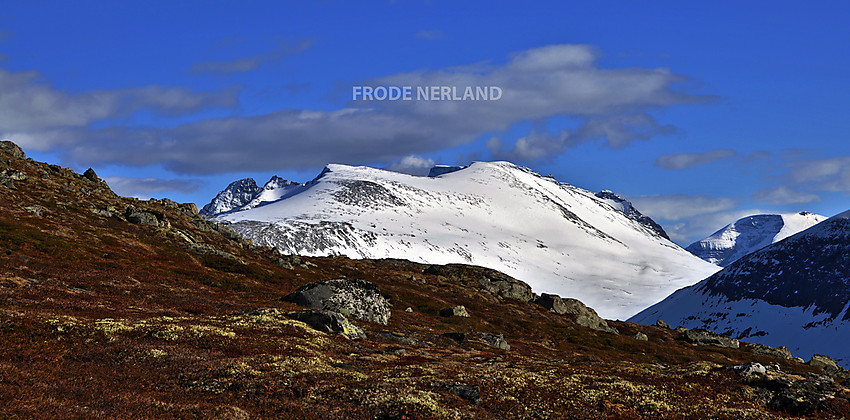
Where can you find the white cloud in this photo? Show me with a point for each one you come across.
(561, 80)
(832, 174)
(783, 194)
(145, 187)
(413, 165)
(689, 160)
(688, 218)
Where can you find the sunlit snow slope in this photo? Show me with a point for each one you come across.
(750, 234)
(558, 238)
(793, 293)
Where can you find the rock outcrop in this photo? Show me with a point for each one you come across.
(350, 297)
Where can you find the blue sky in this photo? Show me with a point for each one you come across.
(700, 112)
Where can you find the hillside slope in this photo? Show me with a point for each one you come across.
(112, 307)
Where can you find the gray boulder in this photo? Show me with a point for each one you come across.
(90, 175)
(584, 316)
(459, 310)
(351, 297)
(662, 324)
(824, 362)
(12, 149)
(781, 352)
(702, 337)
(640, 336)
(329, 322)
(495, 340)
(505, 286)
(471, 393)
(749, 369)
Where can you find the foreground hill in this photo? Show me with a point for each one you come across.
(795, 292)
(749, 234)
(112, 307)
(556, 237)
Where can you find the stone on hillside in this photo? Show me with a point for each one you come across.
(584, 316)
(749, 369)
(662, 324)
(12, 149)
(702, 337)
(351, 297)
(91, 175)
(329, 322)
(824, 362)
(640, 336)
(495, 340)
(458, 337)
(459, 310)
(505, 286)
(471, 393)
(781, 352)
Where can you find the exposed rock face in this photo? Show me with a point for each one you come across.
(12, 149)
(781, 352)
(662, 324)
(329, 322)
(824, 362)
(355, 298)
(584, 316)
(702, 337)
(142, 217)
(455, 311)
(91, 175)
(493, 281)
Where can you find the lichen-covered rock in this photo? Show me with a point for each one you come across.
(781, 352)
(471, 393)
(142, 217)
(640, 336)
(505, 286)
(702, 337)
(329, 322)
(584, 316)
(90, 175)
(12, 149)
(495, 340)
(351, 297)
(661, 324)
(749, 369)
(455, 311)
(824, 362)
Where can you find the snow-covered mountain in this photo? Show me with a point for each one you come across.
(795, 292)
(559, 238)
(244, 194)
(749, 234)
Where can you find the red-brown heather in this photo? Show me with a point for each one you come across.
(101, 317)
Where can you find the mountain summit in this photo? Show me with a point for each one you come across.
(795, 292)
(559, 238)
(750, 234)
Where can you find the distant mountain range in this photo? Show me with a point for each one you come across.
(795, 292)
(558, 238)
(750, 234)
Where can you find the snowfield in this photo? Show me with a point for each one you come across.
(556, 237)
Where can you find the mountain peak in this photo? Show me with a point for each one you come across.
(237, 194)
(749, 234)
(624, 206)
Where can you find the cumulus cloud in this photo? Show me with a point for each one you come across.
(145, 187)
(610, 105)
(413, 165)
(783, 194)
(27, 104)
(689, 160)
(246, 64)
(832, 174)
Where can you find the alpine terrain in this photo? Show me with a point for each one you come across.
(750, 234)
(558, 238)
(795, 292)
(118, 308)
